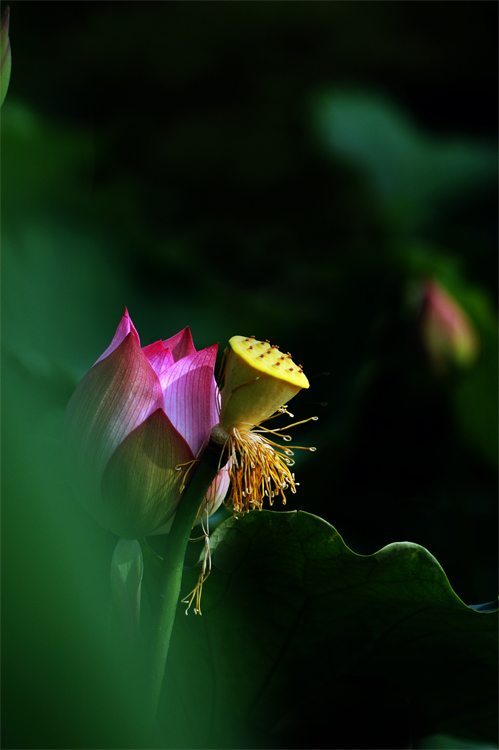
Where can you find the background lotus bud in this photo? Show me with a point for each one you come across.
(5, 55)
(136, 416)
(448, 334)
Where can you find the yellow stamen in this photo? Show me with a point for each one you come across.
(204, 574)
(189, 465)
(203, 577)
(260, 468)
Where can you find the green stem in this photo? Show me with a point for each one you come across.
(172, 568)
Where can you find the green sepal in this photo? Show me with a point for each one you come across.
(152, 574)
(127, 569)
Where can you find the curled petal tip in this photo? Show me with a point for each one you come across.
(125, 327)
(181, 345)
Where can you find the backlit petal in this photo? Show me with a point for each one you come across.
(113, 398)
(191, 396)
(160, 358)
(181, 345)
(152, 350)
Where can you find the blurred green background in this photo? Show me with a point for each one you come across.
(289, 170)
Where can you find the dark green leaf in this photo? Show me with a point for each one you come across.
(299, 631)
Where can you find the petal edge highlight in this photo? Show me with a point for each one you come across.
(181, 345)
(125, 326)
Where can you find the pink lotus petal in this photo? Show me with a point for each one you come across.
(140, 485)
(152, 349)
(115, 396)
(181, 345)
(191, 396)
(124, 328)
(160, 359)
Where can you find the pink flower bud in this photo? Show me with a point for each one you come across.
(133, 426)
(448, 334)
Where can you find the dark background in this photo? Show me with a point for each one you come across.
(289, 170)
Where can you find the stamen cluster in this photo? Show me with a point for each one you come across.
(258, 470)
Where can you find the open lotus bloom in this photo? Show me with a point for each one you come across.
(133, 426)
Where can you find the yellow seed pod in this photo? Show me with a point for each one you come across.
(258, 380)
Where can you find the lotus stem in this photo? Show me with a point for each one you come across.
(172, 568)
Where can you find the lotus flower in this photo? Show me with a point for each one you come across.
(135, 425)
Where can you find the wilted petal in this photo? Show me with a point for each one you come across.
(124, 328)
(191, 396)
(140, 485)
(181, 345)
(160, 358)
(215, 495)
(118, 394)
